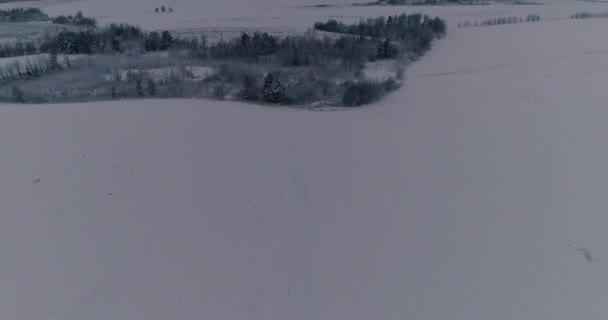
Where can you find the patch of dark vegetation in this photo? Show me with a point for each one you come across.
(413, 33)
(122, 61)
(589, 15)
(114, 38)
(499, 21)
(23, 15)
(35, 14)
(19, 48)
(163, 9)
(78, 20)
(364, 92)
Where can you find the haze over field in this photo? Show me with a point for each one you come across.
(475, 191)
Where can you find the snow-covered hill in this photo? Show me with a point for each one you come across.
(230, 16)
(477, 191)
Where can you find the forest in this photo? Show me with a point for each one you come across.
(324, 66)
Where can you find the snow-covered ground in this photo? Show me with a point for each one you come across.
(382, 70)
(22, 61)
(476, 191)
(230, 16)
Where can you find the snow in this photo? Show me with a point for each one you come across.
(476, 191)
(231, 16)
(22, 61)
(381, 70)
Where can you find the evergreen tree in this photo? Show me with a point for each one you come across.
(204, 47)
(152, 41)
(115, 45)
(163, 8)
(273, 90)
(151, 87)
(166, 41)
(249, 92)
(139, 87)
(267, 90)
(245, 44)
(385, 50)
(278, 93)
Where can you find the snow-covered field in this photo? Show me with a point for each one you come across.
(476, 191)
(229, 16)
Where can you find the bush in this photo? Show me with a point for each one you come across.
(78, 20)
(219, 92)
(17, 95)
(360, 93)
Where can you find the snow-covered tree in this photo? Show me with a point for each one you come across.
(278, 93)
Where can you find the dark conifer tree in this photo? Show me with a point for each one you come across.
(278, 93)
(166, 41)
(249, 92)
(151, 87)
(267, 89)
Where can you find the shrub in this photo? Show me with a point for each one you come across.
(360, 93)
(17, 95)
(219, 92)
(78, 20)
(364, 92)
(151, 87)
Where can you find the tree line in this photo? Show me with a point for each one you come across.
(415, 32)
(22, 15)
(78, 20)
(261, 67)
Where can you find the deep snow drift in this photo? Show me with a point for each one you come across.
(477, 191)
